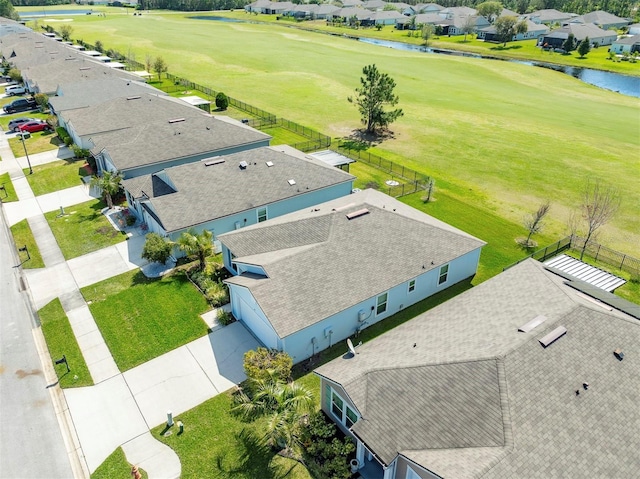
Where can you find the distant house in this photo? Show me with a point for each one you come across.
(224, 193)
(142, 134)
(456, 25)
(386, 17)
(534, 30)
(304, 281)
(522, 376)
(550, 16)
(634, 29)
(597, 36)
(626, 45)
(374, 5)
(271, 8)
(601, 19)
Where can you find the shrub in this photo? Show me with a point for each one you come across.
(222, 101)
(52, 121)
(15, 75)
(131, 220)
(64, 136)
(225, 317)
(42, 100)
(79, 152)
(217, 294)
(325, 454)
(259, 364)
(156, 249)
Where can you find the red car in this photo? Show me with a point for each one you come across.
(34, 125)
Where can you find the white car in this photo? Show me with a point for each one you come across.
(15, 90)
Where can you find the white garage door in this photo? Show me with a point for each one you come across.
(257, 325)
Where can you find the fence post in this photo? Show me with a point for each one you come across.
(622, 262)
(598, 252)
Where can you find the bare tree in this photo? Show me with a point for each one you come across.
(148, 62)
(534, 222)
(599, 204)
(469, 25)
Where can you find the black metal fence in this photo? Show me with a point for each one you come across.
(372, 159)
(546, 253)
(608, 256)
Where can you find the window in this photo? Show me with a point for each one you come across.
(262, 215)
(351, 418)
(444, 271)
(327, 396)
(336, 405)
(412, 285)
(381, 303)
(411, 474)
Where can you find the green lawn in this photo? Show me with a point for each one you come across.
(216, 444)
(61, 341)
(9, 193)
(38, 143)
(142, 318)
(511, 135)
(57, 175)
(22, 236)
(83, 229)
(115, 466)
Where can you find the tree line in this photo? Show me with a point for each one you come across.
(191, 5)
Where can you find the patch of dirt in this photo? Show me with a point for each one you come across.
(21, 373)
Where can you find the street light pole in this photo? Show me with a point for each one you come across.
(24, 145)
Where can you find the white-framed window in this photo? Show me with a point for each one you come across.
(262, 214)
(337, 405)
(412, 285)
(411, 474)
(343, 413)
(381, 303)
(444, 272)
(350, 417)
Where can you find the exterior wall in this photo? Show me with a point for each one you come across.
(346, 324)
(245, 308)
(402, 465)
(325, 402)
(250, 268)
(154, 168)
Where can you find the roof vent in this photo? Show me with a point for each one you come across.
(176, 120)
(269, 164)
(292, 182)
(345, 207)
(137, 97)
(618, 354)
(537, 321)
(553, 336)
(85, 68)
(357, 213)
(243, 165)
(214, 162)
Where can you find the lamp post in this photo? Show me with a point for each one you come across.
(24, 145)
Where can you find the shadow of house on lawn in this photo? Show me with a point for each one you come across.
(256, 460)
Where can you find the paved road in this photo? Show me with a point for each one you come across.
(31, 445)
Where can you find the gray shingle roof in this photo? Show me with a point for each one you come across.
(92, 92)
(320, 263)
(224, 189)
(548, 430)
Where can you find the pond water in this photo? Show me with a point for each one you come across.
(218, 19)
(50, 13)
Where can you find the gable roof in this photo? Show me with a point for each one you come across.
(547, 428)
(550, 15)
(600, 17)
(224, 189)
(633, 40)
(301, 251)
(581, 31)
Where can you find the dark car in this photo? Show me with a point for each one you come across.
(22, 104)
(34, 125)
(16, 122)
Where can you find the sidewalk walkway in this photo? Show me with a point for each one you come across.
(121, 408)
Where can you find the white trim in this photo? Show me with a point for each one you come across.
(386, 303)
(410, 286)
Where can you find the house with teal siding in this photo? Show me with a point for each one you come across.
(307, 280)
(230, 192)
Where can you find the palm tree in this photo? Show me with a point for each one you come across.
(283, 404)
(192, 243)
(109, 185)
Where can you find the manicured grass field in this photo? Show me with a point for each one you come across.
(510, 134)
(115, 466)
(83, 229)
(39, 142)
(218, 445)
(57, 175)
(9, 193)
(142, 318)
(61, 341)
(22, 236)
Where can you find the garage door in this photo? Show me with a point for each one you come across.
(257, 325)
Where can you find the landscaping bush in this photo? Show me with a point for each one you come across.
(225, 317)
(80, 152)
(326, 454)
(215, 292)
(263, 363)
(222, 101)
(64, 136)
(156, 249)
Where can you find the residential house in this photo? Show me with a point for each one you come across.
(304, 281)
(634, 29)
(457, 12)
(374, 5)
(524, 375)
(224, 193)
(142, 134)
(601, 19)
(351, 3)
(534, 30)
(456, 25)
(348, 14)
(626, 45)
(386, 17)
(597, 36)
(550, 16)
(421, 19)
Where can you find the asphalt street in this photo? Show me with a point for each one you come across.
(31, 444)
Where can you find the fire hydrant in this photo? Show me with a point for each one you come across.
(135, 473)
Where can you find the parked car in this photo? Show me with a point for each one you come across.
(22, 104)
(34, 125)
(15, 90)
(16, 122)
